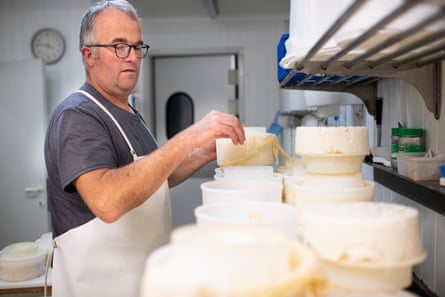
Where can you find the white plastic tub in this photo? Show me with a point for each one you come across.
(278, 216)
(237, 190)
(336, 292)
(369, 279)
(21, 261)
(333, 163)
(305, 196)
(288, 180)
(420, 168)
(249, 173)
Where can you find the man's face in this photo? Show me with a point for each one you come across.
(115, 76)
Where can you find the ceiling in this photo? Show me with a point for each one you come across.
(203, 8)
(174, 8)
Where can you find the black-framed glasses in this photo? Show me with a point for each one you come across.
(122, 50)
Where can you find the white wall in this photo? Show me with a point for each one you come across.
(16, 30)
(257, 37)
(403, 103)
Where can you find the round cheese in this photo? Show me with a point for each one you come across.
(331, 141)
(231, 261)
(366, 233)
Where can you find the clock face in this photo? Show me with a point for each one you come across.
(48, 45)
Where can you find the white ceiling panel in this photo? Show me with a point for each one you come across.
(170, 8)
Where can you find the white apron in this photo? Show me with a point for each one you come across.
(101, 259)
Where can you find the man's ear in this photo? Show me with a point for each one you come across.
(87, 54)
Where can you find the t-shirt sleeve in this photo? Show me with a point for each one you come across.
(85, 145)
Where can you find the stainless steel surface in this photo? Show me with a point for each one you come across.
(417, 61)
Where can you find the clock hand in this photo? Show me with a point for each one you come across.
(42, 45)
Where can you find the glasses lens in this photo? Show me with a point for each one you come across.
(138, 50)
(122, 50)
(141, 50)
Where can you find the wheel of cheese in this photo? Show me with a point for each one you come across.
(332, 150)
(366, 246)
(231, 261)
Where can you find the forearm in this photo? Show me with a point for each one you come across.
(192, 163)
(110, 193)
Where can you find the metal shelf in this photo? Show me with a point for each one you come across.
(428, 193)
(417, 59)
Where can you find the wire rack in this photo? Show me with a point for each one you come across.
(413, 54)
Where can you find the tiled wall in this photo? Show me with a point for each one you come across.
(402, 103)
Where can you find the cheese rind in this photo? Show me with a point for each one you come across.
(365, 233)
(331, 141)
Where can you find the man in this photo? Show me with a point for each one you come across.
(107, 179)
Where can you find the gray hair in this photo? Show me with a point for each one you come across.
(86, 35)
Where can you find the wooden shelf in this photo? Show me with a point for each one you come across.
(428, 193)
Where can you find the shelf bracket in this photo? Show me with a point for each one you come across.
(367, 93)
(428, 81)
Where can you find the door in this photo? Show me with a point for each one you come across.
(208, 82)
(23, 210)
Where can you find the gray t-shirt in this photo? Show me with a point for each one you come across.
(80, 138)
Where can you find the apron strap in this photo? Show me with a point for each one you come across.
(91, 97)
(48, 264)
(154, 214)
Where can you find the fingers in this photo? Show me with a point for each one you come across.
(227, 125)
(212, 126)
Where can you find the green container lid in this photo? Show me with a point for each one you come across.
(410, 132)
(395, 131)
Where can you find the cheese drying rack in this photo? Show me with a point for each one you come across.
(417, 62)
(359, 76)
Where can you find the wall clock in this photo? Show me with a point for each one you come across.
(48, 45)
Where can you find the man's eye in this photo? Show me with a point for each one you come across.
(120, 46)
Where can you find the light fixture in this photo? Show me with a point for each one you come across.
(212, 8)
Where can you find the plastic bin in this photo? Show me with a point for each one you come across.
(420, 168)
